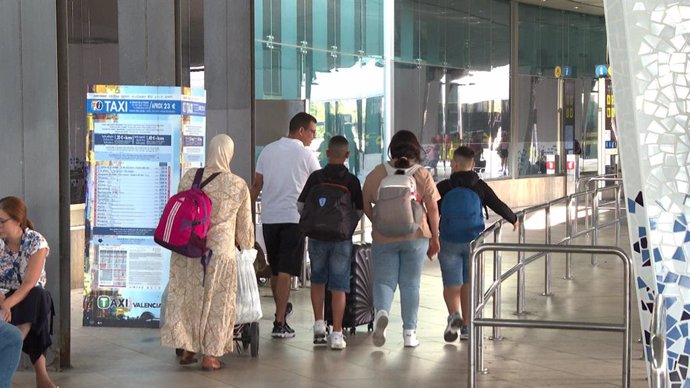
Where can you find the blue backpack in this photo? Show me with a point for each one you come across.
(461, 215)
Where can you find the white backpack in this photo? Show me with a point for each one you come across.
(398, 210)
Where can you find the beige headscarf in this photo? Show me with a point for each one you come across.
(219, 153)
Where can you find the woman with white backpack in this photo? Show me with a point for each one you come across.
(400, 198)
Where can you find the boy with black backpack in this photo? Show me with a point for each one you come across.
(330, 206)
(464, 197)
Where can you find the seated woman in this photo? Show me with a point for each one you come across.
(26, 304)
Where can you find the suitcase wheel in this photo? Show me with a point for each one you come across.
(353, 331)
(370, 327)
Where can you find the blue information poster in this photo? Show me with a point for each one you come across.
(141, 139)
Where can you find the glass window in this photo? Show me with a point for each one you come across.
(329, 54)
(590, 142)
(539, 132)
(552, 37)
(452, 80)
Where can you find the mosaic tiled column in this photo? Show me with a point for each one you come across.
(649, 48)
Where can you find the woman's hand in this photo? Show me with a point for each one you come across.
(434, 247)
(5, 313)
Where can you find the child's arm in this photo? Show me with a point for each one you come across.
(494, 203)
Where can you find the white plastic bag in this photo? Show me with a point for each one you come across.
(248, 302)
(259, 230)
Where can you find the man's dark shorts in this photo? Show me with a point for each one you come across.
(284, 248)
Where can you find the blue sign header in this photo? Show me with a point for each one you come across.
(172, 107)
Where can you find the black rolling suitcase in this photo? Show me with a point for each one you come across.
(359, 303)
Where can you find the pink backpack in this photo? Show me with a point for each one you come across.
(186, 220)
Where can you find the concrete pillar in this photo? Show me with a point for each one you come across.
(649, 53)
(146, 37)
(229, 74)
(29, 126)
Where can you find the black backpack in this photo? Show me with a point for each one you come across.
(329, 213)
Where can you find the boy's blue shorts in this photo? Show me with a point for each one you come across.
(330, 263)
(454, 260)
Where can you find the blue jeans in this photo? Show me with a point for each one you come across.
(330, 263)
(399, 263)
(454, 259)
(10, 350)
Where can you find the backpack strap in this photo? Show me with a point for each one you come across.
(197, 183)
(197, 178)
(390, 170)
(209, 179)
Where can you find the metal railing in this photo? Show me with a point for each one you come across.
(478, 301)
(659, 358)
(573, 213)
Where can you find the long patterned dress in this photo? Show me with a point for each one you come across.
(200, 318)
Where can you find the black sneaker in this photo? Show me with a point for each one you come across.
(289, 329)
(288, 311)
(282, 330)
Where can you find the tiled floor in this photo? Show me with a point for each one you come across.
(110, 357)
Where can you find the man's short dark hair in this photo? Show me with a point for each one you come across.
(301, 120)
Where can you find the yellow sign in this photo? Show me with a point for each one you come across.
(557, 72)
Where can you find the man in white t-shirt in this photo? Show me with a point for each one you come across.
(281, 172)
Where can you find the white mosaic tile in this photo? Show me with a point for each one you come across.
(647, 39)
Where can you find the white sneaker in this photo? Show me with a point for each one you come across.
(380, 323)
(320, 333)
(337, 340)
(410, 339)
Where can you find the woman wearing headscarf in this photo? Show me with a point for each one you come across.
(200, 316)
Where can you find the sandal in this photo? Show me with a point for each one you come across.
(188, 358)
(209, 363)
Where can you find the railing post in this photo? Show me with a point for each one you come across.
(587, 213)
(496, 331)
(627, 313)
(521, 271)
(472, 354)
(547, 257)
(659, 371)
(618, 215)
(569, 232)
(595, 222)
(480, 300)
